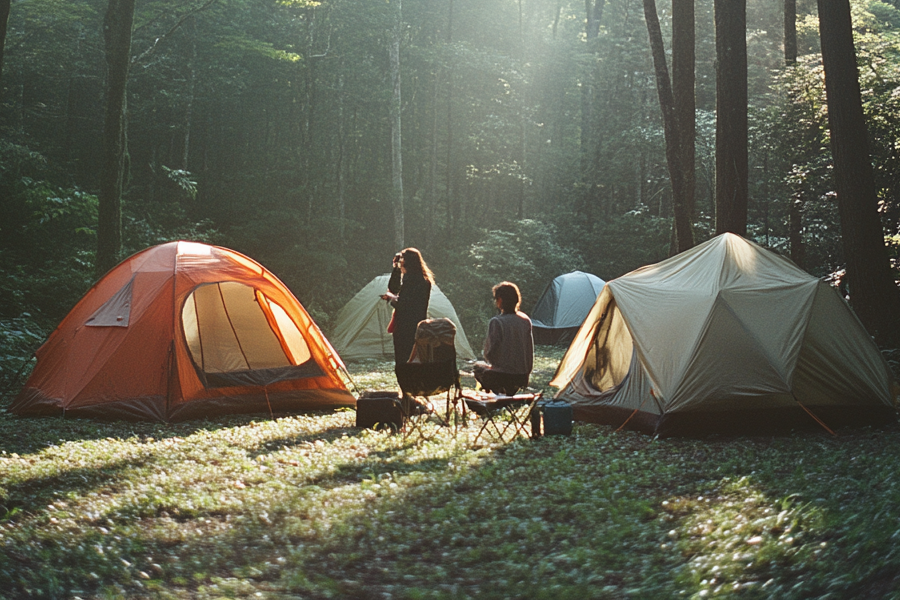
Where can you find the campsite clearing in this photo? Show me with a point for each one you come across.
(307, 506)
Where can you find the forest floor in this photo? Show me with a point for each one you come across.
(308, 506)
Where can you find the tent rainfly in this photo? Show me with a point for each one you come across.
(361, 326)
(184, 330)
(561, 309)
(725, 337)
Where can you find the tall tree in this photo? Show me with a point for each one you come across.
(396, 137)
(685, 105)
(520, 192)
(117, 27)
(450, 82)
(594, 11)
(795, 214)
(731, 116)
(589, 136)
(677, 125)
(790, 32)
(4, 21)
(873, 292)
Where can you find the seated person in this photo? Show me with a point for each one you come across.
(509, 347)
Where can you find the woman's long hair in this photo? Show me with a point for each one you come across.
(415, 265)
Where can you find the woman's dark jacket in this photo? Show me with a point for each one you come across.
(410, 308)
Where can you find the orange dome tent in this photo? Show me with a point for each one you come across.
(179, 331)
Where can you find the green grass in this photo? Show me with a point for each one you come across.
(307, 506)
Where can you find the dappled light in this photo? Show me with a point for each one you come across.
(308, 505)
(192, 249)
(745, 258)
(734, 534)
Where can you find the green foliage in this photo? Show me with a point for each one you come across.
(47, 241)
(793, 133)
(529, 254)
(183, 179)
(19, 338)
(623, 243)
(886, 15)
(244, 47)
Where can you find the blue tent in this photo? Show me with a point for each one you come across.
(563, 306)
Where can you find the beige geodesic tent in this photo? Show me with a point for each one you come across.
(361, 326)
(724, 337)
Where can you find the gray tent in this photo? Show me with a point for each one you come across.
(726, 336)
(361, 327)
(561, 309)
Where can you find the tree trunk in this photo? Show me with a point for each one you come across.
(674, 146)
(557, 13)
(396, 137)
(449, 165)
(589, 136)
(873, 293)
(795, 224)
(790, 32)
(310, 124)
(731, 116)
(685, 105)
(342, 202)
(192, 87)
(432, 193)
(523, 122)
(117, 37)
(4, 20)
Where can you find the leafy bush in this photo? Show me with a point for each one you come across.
(149, 224)
(623, 243)
(529, 255)
(19, 338)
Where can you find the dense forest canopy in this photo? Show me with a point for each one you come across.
(531, 145)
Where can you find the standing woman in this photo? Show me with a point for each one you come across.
(410, 302)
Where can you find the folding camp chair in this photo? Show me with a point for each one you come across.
(489, 409)
(431, 370)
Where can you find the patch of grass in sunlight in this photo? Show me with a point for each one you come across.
(307, 506)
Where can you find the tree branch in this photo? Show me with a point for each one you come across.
(152, 49)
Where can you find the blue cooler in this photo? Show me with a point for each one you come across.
(557, 417)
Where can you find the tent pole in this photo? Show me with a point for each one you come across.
(810, 413)
(350, 379)
(269, 404)
(619, 428)
(177, 324)
(635, 412)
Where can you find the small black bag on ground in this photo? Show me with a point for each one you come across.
(376, 409)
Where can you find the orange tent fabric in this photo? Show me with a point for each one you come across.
(184, 330)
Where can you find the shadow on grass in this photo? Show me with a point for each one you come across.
(595, 515)
(33, 494)
(25, 435)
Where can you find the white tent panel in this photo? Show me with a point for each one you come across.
(361, 325)
(744, 378)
